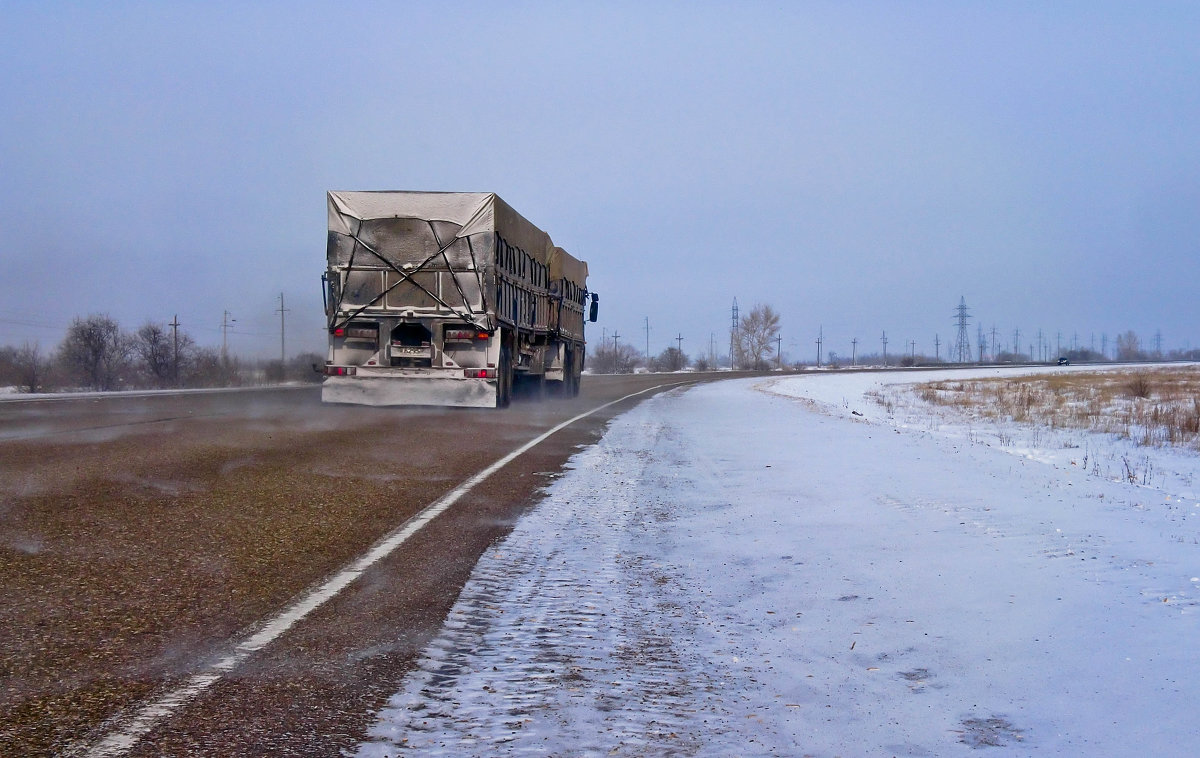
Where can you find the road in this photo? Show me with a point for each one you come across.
(141, 536)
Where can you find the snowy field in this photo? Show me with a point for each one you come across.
(752, 568)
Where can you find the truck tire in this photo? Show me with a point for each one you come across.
(576, 370)
(504, 379)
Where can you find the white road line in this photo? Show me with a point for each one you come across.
(127, 732)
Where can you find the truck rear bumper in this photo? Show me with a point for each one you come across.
(410, 390)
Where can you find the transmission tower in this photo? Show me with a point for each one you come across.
(962, 345)
(734, 339)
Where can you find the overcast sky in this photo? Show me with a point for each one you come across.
(858, 166)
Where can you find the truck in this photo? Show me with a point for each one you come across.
(448, 298)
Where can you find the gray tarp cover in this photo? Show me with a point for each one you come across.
(456, 215)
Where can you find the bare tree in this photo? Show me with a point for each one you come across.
(206, 368)
(155, 352)
(303, 367)
(30, 366)
(671, 359)
(614, 358)
(158, 351)
(1129, 347)
(96, 351)
(757, 331)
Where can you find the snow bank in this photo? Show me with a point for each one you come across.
(730, 572)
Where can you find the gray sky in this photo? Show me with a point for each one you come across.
(856, 165)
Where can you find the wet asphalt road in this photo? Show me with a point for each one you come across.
(139, 537)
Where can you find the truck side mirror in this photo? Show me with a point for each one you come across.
(594, 313)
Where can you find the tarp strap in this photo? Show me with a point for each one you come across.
(482, 289)
(450, 268)
(341, 285)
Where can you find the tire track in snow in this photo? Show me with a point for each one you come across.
(566, 634)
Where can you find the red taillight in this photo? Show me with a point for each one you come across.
(479, 373)
(358, 331)
(465, 334)
(340, 371)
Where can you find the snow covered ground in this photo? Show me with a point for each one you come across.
(751, 568)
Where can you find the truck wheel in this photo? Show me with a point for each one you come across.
(504, 379)
(571, 380)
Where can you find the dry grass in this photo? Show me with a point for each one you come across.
(1151, 406)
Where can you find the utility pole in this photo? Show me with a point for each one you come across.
(226, 323)
(1040, 353)
(712, 348)
(1158, 343)
(854, 352)
(647, 338)
(1016, 342)
(884, 339)
(779, 350)
(937, 343)
(912, 349)
(282, 330)
(994, 343)
(175, 339)
(679, 343)
(820, 339)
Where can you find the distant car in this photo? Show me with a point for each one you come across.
(1063, 362)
